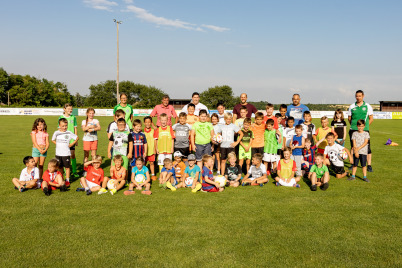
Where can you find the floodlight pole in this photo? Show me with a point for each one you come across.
(117, 80)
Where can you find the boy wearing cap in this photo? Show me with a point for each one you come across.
(192, 171)
(179, 168)
(95, 175)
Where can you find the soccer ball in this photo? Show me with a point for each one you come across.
(343, 155)
(221, 180)
(140, 178)
(110, 184)
(218, 138)
(188, 181)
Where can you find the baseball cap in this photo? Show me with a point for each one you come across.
(191, 157)
(177, 153)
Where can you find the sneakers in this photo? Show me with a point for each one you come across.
(313, 187)
(80, 189)
(63, 188)
(296, 185)
(324, 186)
(129, 192)
(197, 188)
(67, 183)
(351, 178)
(369, 168)
(46, 191)
(277, 183)
(366, 180)
(254, 184)
(113, 191)
(21, 189)
(102, 191)
(146, 192)
(170, 186)
(88, 192)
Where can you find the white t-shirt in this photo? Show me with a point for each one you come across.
(228, 132)
(90, 136)
(288, 133)
(62, 141)
(197, 110)
(33, 175)
(333, 154)
(113, 127)
(221, 119)
(257, 172)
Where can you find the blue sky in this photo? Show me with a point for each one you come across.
(324, 50)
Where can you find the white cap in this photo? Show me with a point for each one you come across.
(177, 154)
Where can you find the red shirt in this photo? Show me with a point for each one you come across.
(94, 175)
(160, 109)
(50, 177)
(276, 126)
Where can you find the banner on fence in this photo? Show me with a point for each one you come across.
(396, 115)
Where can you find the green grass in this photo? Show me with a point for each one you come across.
(351, 224)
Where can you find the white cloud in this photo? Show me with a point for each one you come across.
(101, 4)
(128, 1)
(161, 21)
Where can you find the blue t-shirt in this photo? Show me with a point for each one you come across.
(169, 171)
(143, 171)
(191, 172)
(297, 113)
(297, 141)
(139, 140)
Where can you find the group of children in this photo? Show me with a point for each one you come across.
(187, 152)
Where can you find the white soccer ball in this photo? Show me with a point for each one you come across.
(110, 184)
(188, 181)
(140, 178)
(343, 155)
(221, 180)
(218, 138)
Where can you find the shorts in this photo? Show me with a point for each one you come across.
(339, 140)
(217, 148)
(90, 145)
(36, 153)
(162, 157)
(150, 158)
(298, 159)
(184, 151)
(225, 152)
(270, 157)
(72, 148)
(243, 154)
(64, 161)
(202, 149)
(320, 151)
(90, 184)
(125, 162)
(362, 158)
(258, 150)
(337, 169)
(211, 189)
(351, 131)
(49, 186)
(279, 152)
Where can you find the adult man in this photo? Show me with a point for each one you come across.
(296, 110)
(243, 103)
(164, 108)
(195, 99)
(360, 110)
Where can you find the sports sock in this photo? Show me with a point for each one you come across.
(86, 188)
(160, 168)
(364, 177)
(68, 179)
(74, 165)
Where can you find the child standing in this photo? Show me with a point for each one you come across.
(143, 171)
(221, 113)
(257, 174)
(40, 142)
(29, 175)
(140, 144)
(271, 138)
(112, 127)
(269, 108)
(64, 140)
(308, 127)
(191, 117)
(117, 173)
(243, 114)
(289, 131)
(90, 126)
(233, 171)
(319, 174)
(95, 175)
(72, 127)
(283, 110)
(193, 171)
(201, 137)
(167, 177)
(332, 150)
(321, 133)
(308, 156)
(179, 168)
(216, 147)
(246, 143)
(360, 149)
(282, 142)
(182, 134)
(297, 145)
(258, 129)
(151, 151)
(286, 171)
(339, 127)
(208, 180)
(52, 178)
(164, 141)
(228, 144)
(122, 143)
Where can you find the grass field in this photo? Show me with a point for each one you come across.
(351, 224)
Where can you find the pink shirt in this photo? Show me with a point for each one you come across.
(160, 109)
(40, 137)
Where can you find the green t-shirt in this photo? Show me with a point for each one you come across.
(281, 141)
(362, 112)
(128, 110)
(202, 132)
(247, 135)
(270, 142)
(72, 123)
(319, 171)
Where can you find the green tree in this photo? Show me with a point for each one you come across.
(3, 85)
(102, 94)
(148, 97)
(219, 94)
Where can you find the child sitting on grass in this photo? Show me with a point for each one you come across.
(319, 174)
(179, 168)
(208, 180)
(286, 171)
(52, 178)
(257, 174)
(95, 176)
(333, 150)
(117, 173)
(140, 178)
(308, 156)
(29, 175)
(167, 177)
(233, 171)
(192, 171)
